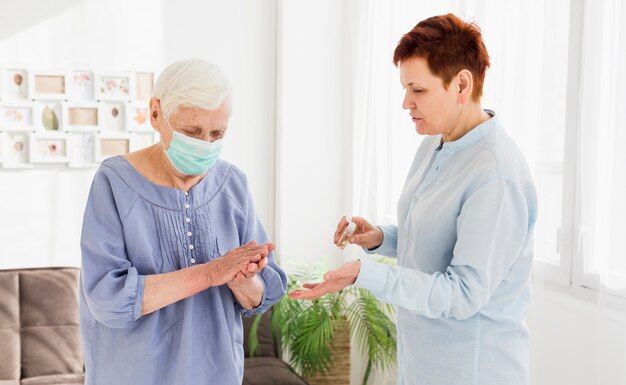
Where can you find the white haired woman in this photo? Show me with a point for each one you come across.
(173, 253)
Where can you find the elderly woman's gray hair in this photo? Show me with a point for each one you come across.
(192, 83)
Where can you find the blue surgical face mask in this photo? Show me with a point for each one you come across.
(191, 156)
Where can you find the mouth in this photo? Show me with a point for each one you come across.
(415, 120)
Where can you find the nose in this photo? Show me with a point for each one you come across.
(407, 103)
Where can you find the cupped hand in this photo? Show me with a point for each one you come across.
(246, 260)
(334, 281)
(365, 235)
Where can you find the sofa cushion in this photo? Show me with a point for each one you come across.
(50, 335)
(56, 379)
(49, 297)
(49, 319)
(50, 350)
(269, 371)
(9, 327)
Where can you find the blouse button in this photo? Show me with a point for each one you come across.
(186, 205)
(193, 260)
(189, 233)
(186, 193)
(190, 247)
(187, 220)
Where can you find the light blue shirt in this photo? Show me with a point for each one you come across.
(464, 245)
(133, 228)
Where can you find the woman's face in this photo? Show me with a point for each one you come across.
(433, 108)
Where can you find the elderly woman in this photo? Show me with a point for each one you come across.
(173, 253)
(464, 240)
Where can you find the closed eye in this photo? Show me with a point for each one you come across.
(217, 134)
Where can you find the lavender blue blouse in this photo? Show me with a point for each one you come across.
(133, 228)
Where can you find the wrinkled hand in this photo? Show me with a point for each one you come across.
(334, 281)
(365, 235)
(244, 276)
(247, 259)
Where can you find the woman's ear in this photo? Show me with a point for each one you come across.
(154, 113)
(465, 82)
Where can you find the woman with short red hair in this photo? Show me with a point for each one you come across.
(464, 240)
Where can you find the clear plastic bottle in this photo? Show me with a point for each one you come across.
(347, 233)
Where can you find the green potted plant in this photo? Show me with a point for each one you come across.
(309, 330)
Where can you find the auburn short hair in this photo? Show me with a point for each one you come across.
(449, 45)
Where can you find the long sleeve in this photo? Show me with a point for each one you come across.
(389, 247)
(112, 287)
(492, 230)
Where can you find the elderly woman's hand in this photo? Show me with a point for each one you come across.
(244, 276)
(246, 260)
(365, 235)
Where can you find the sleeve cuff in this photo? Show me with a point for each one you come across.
(139, 297)
(390, 242)
(371, 277)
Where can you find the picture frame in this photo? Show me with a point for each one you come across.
(82, 85)
(138, 117)
(48, 115)
(111, 144)
(112, 116)
(144, 85)
(113, 86)
(81, 149)
(16, 116)
(15, 150)
(141, 140)
(81, 116)
(14, 83)
(48, 85)
(48, 147)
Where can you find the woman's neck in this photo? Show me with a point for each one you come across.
(470, 116)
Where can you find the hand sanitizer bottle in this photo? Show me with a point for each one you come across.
(347, 233)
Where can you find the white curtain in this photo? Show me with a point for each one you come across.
(602, 162)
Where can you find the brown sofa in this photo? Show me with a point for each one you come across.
(39, 332)
(40, 337)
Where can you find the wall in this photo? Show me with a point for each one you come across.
(575, 342)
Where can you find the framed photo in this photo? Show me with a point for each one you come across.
(48, 85)
(80, 117)
(112, 116)
(144, 83)
(81, 149)
(141, 140)
(81, 85)
(49, 147)
(14, 83)
(113, 86)
(138, 117)
(17, 115)
(108, 145)
(15, 148)
(48, 115)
